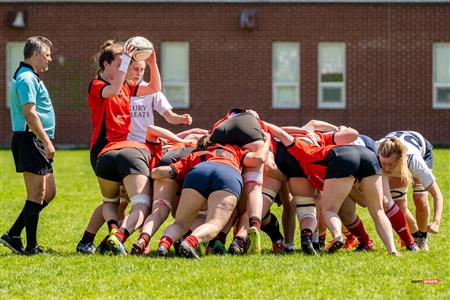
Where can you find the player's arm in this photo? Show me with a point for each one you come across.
(114, 88)
(196, 131)
(33, 121)
(438, 202)
(317, 125)
(295, 130)
(280, 134)
(156, 131)
(174, 118)
(154, 85)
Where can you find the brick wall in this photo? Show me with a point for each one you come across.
(389, 60)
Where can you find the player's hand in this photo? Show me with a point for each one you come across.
(433, 227)
(49, 150)
(152, 59)
(186, 119)
(129, 50)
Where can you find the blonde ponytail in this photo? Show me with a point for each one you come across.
(394, 146)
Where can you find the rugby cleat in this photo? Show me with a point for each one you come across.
(14, 243)
(334, 245)
(162, 251)
(278, 247)
(35, 251)
(189, 251)
(351, 242)
(306, 242)
(254, 241)
(219, 248)
(422, 242)
(115, 245)
(413, 247)
(87, 248)
(237, 246)
(139, 247)
(364, 247)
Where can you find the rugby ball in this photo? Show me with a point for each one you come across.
(144, 47)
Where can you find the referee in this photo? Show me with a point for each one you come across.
(33, 125)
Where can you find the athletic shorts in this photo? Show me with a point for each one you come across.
(208, 177)
(287, 163)
(174, 155)
(29, 154)
(117, 164)
(239, 130)
(352, 161)
(95, 150)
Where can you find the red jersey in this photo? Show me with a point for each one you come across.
(228, 154)
(311, 158)
(110, 117)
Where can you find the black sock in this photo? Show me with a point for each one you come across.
(112, 224)
(273, 229)
(222, 236)
(416, 234)
(88, 237)
(31, 219)
(19, 224)
(423, 234)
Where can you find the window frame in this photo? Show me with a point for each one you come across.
(185, 85)
(343, 85)
(436, 85)
(9, 65)
(296, 84)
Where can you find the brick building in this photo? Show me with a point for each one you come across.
(377, 66)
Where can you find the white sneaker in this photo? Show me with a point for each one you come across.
(422, 242)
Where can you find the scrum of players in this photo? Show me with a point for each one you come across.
(222, 181)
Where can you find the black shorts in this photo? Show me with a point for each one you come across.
(29, 154)
(174, 155)
(239, 130)
(208, 177)
(287, 163)
(95, 150)
(352, 161)
(115, 165)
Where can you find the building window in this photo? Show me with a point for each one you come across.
(14, 55)
(441, 75)
(285, 75)
(175, 73)
(331, 75)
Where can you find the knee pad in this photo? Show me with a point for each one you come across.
(140, 199)
(111, 200)
(419, 189)
(399, 193)
(270, 194)
(306, 207)
(163, 202)
(253, 177)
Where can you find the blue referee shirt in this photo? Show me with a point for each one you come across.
(27, 87)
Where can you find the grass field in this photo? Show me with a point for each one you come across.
(64, 274)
